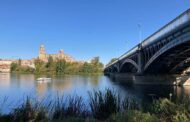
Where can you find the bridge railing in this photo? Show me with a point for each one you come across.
(133, 50)
(180, 20)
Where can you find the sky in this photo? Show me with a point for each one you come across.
(82, 28)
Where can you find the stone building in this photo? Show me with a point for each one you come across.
(28, 63)
(5, 65)
(61, 55)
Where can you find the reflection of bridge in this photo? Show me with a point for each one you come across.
(166, 51)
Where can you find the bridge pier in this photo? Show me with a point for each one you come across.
(140, 61)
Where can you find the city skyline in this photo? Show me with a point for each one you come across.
(81, 28)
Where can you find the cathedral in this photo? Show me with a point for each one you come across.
(61, 55)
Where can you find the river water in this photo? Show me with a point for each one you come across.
(15, 87)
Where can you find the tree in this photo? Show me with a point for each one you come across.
(60, 66)
(14, 66)
(112, 60)
(87, 68)
(19, 62)
(95, 60)
(97, 66)
(39, 65)
(51, 65)
(50, 62)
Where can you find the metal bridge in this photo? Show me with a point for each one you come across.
(167, 51)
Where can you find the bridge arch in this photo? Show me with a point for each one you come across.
(170, 56)
(115, 69)
(129, 66)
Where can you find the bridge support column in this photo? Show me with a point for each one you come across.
(140, 61)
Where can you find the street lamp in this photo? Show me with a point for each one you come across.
(140, 32)
(140, 35)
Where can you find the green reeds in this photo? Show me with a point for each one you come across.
(104, 104)
(29, 111)
(101, 106)
(72, 106)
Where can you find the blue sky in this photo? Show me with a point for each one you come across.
(83, 28)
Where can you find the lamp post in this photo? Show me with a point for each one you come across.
(140, 32)
(140, 63)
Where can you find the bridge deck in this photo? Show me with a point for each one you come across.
(177, 22)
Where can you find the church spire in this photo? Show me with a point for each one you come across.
(42, 52)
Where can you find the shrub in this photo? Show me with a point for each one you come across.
(14, 66)
(133, 116)
(180, 117)
(169, 111)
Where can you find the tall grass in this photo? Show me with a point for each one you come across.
(73, 106)
(29, 111)
(107, 106)
(104, 104)
(101, 106)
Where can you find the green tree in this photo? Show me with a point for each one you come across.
(50, 62)
(14, 66)
(60, 66)
(39, 65)
(112, 60)
(96, 65)
(87, 68)
(19, 62)
(95, 60)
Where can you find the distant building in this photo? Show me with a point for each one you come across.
(61, 55)
(28, 63)
(5, 65)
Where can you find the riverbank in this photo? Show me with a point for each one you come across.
(107, 106)
(54, 74)
(59, 67)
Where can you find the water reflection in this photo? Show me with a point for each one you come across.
(5, 80)
(16, 86)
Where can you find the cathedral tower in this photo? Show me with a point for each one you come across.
(42, 53)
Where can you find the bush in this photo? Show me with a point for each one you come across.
(133, 116)
(14, 66)
(169, 111)
(180, 117)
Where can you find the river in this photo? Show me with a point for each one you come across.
(15, 87)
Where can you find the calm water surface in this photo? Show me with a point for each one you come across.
(15, 87)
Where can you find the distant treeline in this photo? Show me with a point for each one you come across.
(59, 67)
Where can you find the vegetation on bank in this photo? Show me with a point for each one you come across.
(102, 106)
(113, 60)
(16, 67)
(60, 67)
